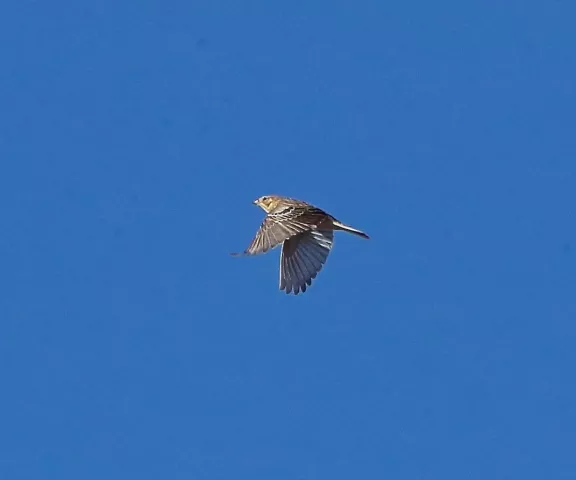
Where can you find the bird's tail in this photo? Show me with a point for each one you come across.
(347, 228)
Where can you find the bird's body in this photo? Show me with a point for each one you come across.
(306, 234)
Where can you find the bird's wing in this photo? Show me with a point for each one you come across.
(282, 224)
(302, 258)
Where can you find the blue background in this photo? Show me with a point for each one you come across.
(134, 137)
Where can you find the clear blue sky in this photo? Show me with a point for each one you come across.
(134, 137)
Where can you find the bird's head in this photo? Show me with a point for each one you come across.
(267, 202)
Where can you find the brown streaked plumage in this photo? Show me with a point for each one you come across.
(306, 234)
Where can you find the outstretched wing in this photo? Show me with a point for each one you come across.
(302, 258)
(282, 224)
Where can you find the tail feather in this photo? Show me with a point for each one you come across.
(347, 228)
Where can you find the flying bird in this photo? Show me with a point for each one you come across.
(306, 234)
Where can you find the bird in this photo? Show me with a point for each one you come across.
(306, 234)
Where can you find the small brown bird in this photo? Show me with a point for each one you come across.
(306, 234)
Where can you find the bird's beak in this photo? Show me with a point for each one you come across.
(255, 202)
